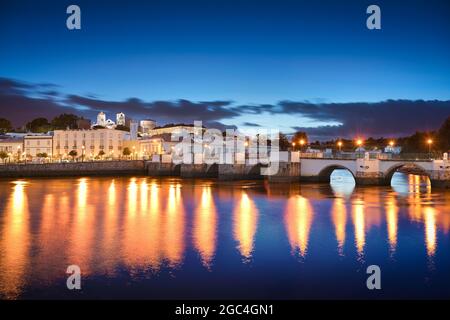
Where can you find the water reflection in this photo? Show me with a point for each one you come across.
(205, 223)
(339, 215)
(298, 220)
(392, 222)
(138, 226)
(15, 243)
(359, 225)
(245, 223)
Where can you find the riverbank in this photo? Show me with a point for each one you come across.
(69, 169)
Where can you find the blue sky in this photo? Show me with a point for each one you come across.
(247, 52)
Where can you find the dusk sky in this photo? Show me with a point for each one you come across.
(290, 64)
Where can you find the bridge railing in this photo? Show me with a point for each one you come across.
(411, 156)
(372, 156)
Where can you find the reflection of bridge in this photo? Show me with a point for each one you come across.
(294, 167)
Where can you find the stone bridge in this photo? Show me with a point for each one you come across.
(291, 167)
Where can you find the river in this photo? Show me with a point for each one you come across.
(140, 237)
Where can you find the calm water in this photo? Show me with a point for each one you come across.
(169, 238)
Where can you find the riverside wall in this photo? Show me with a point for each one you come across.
(97, 168)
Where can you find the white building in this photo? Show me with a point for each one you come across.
(101, 119)
(173, 129)
(120, 119)
(12, 147)
(89, 144)
(147, 125)
(35, 145)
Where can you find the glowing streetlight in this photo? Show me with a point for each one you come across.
(429, 142)
(82, 153)
(359, 142)
(391, 143)
(339, 145)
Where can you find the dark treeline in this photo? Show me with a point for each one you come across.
(416, 143)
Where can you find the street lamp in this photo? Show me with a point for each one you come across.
(391, 143)
(359, 142)
(339, 145)
(302, 143)
(429, 142)
(82, 153)
(293, 145)
(18, 153)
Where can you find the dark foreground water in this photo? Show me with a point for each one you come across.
(150, 238)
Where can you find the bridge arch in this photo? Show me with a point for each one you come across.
(325, 174)
(389, 173)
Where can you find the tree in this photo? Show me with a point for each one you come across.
(126, 151)
(3, 155)
(64, 121)
(39, 125)
(300, 139)
(443, 136)
(5, 125)
(283, 142)
(101, 153)
(122, 128)
(73, 154)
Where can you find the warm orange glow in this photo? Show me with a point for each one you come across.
(293, 144)
(245, 218)
(359, 225)
(359, 142)
(339, 216)
(429, 141)
(298, 220)
(205, 224)
(391, 143)
(302, 142)
(429, 215)
(15, 243)
(392, 222)
(340, 143)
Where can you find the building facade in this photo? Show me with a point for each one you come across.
(89, 144)
(12, 147)
(36, 146)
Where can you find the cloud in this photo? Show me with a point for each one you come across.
(386, 118)
(251, 124)
(21, 102)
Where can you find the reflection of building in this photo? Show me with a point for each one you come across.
(92, 143)
(147, 125)
(120, 119)
(38, 144)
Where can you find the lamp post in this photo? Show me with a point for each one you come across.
(18, 153)
(339, 145)
(82, 153)
(429, 142)
(302, 143)
(293, 146)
